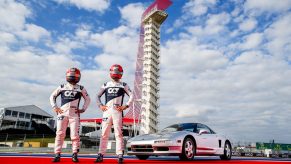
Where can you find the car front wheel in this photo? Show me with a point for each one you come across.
(142, 157)
(188, 149)
(226, 152)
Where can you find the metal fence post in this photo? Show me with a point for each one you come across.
(6, 138)
(24, 138)
(42, 141)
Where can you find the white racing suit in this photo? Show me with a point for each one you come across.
(70, 99)
(114, 94)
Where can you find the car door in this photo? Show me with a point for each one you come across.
(208, 141)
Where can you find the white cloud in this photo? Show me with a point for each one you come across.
(248, 24)
(198, 7)
(252, 41)
(71, 41)
(131, 14)
(267, 6)
(221, 18)
(65, 45)
(196, 30)
(249, 57)
(279, 37)
(195, 58)
(215, 24)
(33, 32)
(120, 41)
(107, 60)
(236, 12)
(91, 5)
(12, 15)
(192, 10)
(6, 37)
(83, 33)
(191, 110)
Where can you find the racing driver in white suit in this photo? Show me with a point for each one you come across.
(114, 91)
(69, 112)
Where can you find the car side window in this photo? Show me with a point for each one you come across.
(188, 127)
(196, 129)
(211, 131)
(201, 126)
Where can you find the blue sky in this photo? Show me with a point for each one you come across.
(223, 63)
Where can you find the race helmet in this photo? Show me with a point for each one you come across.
(116, 71)
(73, 75)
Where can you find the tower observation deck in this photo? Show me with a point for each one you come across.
(146, 84)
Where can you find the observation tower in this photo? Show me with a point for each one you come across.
(146, 84)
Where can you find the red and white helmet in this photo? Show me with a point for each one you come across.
(73, 75)
(116, 71)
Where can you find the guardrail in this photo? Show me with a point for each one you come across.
(51, 150)
(15, 127)
(44, 143)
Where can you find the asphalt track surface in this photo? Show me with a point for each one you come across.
(14, 158)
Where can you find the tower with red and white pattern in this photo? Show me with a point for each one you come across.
(146, 84)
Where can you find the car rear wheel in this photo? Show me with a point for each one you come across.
(142, 157)
(188, 150)
(226, 152)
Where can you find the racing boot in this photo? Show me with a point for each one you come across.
(75, 157)
(99, 158)
(120, 159)
(57, 158)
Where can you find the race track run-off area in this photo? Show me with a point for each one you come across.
(46, 158)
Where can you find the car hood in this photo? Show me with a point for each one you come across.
(155, 136)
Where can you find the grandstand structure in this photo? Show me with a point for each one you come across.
(28, 118)
(146, 83)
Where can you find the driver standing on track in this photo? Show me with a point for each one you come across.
(69, 112)
(114, 91)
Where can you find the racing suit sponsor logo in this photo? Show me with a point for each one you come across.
(113, 90)
(70, 93)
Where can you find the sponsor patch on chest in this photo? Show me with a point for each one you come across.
(70, 94)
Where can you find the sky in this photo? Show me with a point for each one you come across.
(223, 63)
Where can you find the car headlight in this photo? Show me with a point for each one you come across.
(162, 141)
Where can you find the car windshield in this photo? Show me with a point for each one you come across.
(180, 127)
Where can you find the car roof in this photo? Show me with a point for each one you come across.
(183, 123)
(187, 123)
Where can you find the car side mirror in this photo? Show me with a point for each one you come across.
(203, 131)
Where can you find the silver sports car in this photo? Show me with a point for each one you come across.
(185, 140)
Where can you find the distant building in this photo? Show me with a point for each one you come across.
(28, 118)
